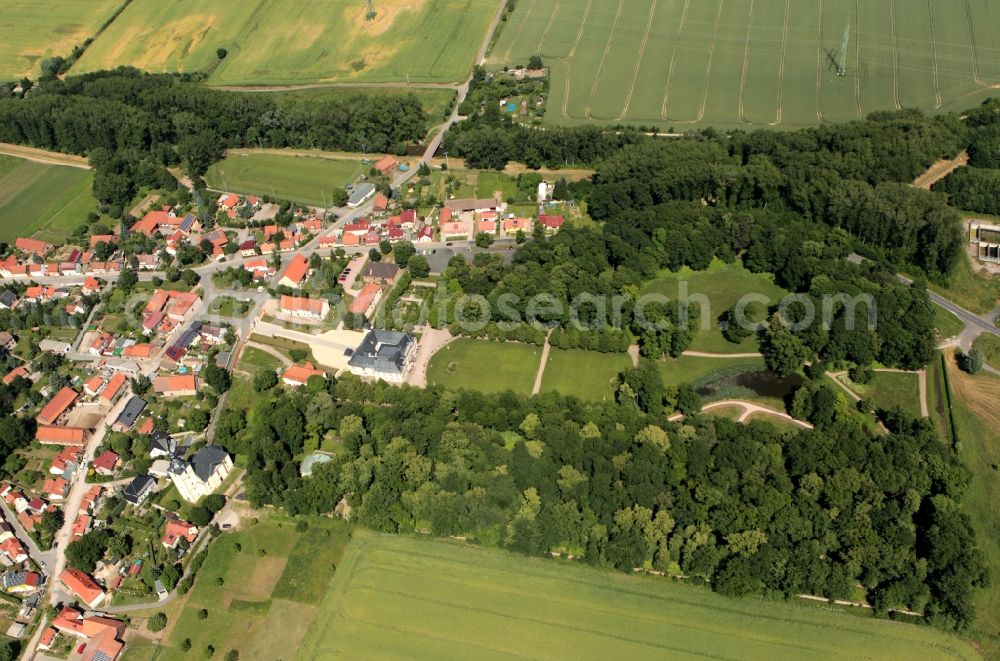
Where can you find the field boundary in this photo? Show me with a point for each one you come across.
(44, 156)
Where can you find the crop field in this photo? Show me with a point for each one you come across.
(754, 62)
(406, 598)
(302, 179)
(280, 42)
(34, 30)
(42, 201)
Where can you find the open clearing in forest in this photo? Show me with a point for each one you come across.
(33, 30)
(403, 597)
(42, 201)
(722, 285)
(302, 179)
(282, 42)
(684, 63)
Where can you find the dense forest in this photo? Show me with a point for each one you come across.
(742, 507)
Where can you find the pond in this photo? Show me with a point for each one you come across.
(757, 383)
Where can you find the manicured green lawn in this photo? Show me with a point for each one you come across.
(990, 346)
(584, 374)
(412, 598)
(889, 389)
(43, 201)
(723, 285)
(266, 602)
(692, 369)
(485, 365)
(302, 179)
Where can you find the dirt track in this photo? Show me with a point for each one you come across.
(42, 156)
(940, 170)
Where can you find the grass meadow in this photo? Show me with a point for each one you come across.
(485, 365)
(584, 374)
(281, 42)
(266, 601)
(679, 63)
(399, 597)
(35, 30)
(695, 369)
(889, 389)
(302, 179)
(42, 201)
(723, 284)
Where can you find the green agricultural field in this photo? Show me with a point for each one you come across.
(723, 285)
(266, 601)
(35, 30)
(399, 597)
(584, 374)
(280, 42)
(730, 63)
(302, 179)
(485, 365)
(42, 201)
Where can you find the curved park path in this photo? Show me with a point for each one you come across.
(749, 409)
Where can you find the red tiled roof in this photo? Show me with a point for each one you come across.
(59, 404)
(32, 245)
(178, 383)
(106, 461)
(364, 299)
(115, 384)
(296, 304)
(81, 585)
(297, 269)
(14, 373)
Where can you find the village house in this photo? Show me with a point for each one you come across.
(259, 268)
(205, 473)
(20, 582)
(105, 463)
(552, 224)
(8, 299)
(7, 341)
(81, 526)
(58, 435)
(386, 164)
(32, 246)
(178, 529)
(55, 488)
(309, 308)
(113, 387)
(61, 402)
(296, 272)
(512, 226)
(138, 489)
(298, 375)
(456, 230)
(366, 300)
(380, 273)
(101, 634)
(82, 586)
(65, 463)
(18, 371)
(129, 414)
(182, 385)
(12, 551)
(380, 204)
